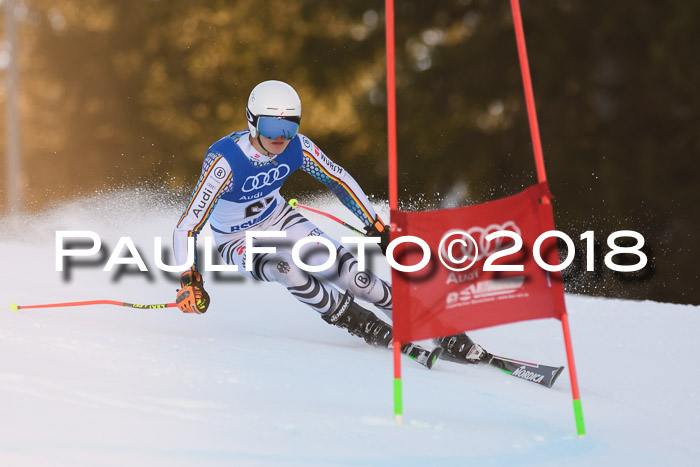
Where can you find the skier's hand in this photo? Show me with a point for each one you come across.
(191, 297)
(378, 229)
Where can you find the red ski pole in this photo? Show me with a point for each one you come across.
(295, 204)
(15, 307)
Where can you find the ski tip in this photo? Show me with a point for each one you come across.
(555, 375)
(434, 356)
(293, 203)
(14, 307)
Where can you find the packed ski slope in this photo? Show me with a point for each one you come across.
(260, 380)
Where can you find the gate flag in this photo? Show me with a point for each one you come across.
(437, 301)
(431, 304)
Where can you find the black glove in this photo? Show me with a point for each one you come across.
(378, 229)
(192, 298)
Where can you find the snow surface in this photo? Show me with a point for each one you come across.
(260, 380)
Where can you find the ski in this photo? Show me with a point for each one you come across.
(536, 373)
(425, 357)
(540, 374)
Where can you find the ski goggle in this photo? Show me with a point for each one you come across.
(274, 127)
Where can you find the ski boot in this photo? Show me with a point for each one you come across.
(461, 349)
(359, 322)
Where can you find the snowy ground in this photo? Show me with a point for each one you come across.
(260, 380)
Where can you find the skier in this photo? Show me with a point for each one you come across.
(238, 191)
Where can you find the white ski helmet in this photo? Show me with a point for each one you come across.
(273, 99)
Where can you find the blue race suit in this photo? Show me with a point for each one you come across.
(238, 190)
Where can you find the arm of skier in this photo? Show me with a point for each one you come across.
(344, 186)
(215, 179)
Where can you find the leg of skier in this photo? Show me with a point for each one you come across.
(314, 290)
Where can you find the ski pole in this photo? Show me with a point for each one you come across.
(15, 307)
(295, 204)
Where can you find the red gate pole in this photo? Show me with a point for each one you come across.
(393, 184)
(542, 177)
(391, 104)
(529, 95)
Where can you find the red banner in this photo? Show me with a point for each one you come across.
(438, 301)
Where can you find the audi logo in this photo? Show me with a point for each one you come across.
(465, 245)
(263, 179)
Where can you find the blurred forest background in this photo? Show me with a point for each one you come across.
(125, 93)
